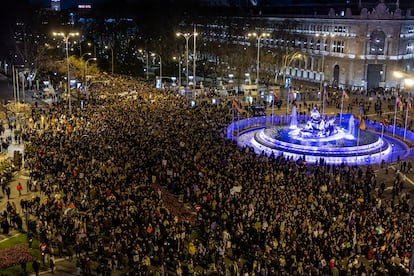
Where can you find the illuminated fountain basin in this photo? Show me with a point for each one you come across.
(342, 146)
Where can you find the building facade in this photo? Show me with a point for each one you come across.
(357, 51)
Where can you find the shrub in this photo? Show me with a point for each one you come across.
(14, 255)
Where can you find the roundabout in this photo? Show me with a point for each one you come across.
(331, 140)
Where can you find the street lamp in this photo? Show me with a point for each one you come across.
(85, 71)
(262, 35)
(85, 54)
(88, 45)
(112, 57)
(154, 54)
(287, 60)
(187, 36)
(66, 39)
(194, 58)
(86, 67)
(146, 57)
(324, 50)
(409, 83)
(398, 75)
(94, 48)
(179, 70)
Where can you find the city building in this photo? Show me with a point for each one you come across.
(55, 5)
(340, 48)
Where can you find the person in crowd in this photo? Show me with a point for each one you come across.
(19, 188)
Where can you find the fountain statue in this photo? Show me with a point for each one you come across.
(317, 127)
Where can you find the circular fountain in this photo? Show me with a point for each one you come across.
(320, 138)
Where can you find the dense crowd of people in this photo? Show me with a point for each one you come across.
(145, 183)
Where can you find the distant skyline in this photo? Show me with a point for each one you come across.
(65, 4)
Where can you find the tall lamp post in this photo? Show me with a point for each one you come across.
(179, 70)
(187, 36)
(262, 35)
(112, 57)
(324, 50)
(154, 54)
(86, 68)
(94, 48)
(410, 84)
(85, 73)
(194, 58)
(398, 75)
(66, 39)
(408, 81)
(85, 54)
(146, 61)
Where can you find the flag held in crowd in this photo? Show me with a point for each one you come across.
(71, 209)
(275, 96)
(399, 103)
(325, 94)
(362, 125)
(384, 123)
(236, 105)
(345, 95)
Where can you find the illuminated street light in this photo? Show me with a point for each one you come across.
(85, 73)
(408, 80)
(112, 58)
(187, 36)
(86, 68)
(287, 60)
(179, 70)
(153, 55)
(324, 51)
(86, 54)
(398, 74)
(66, 39)
(146, 57)
(89, 44)
(410, 84)
(258, 37)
